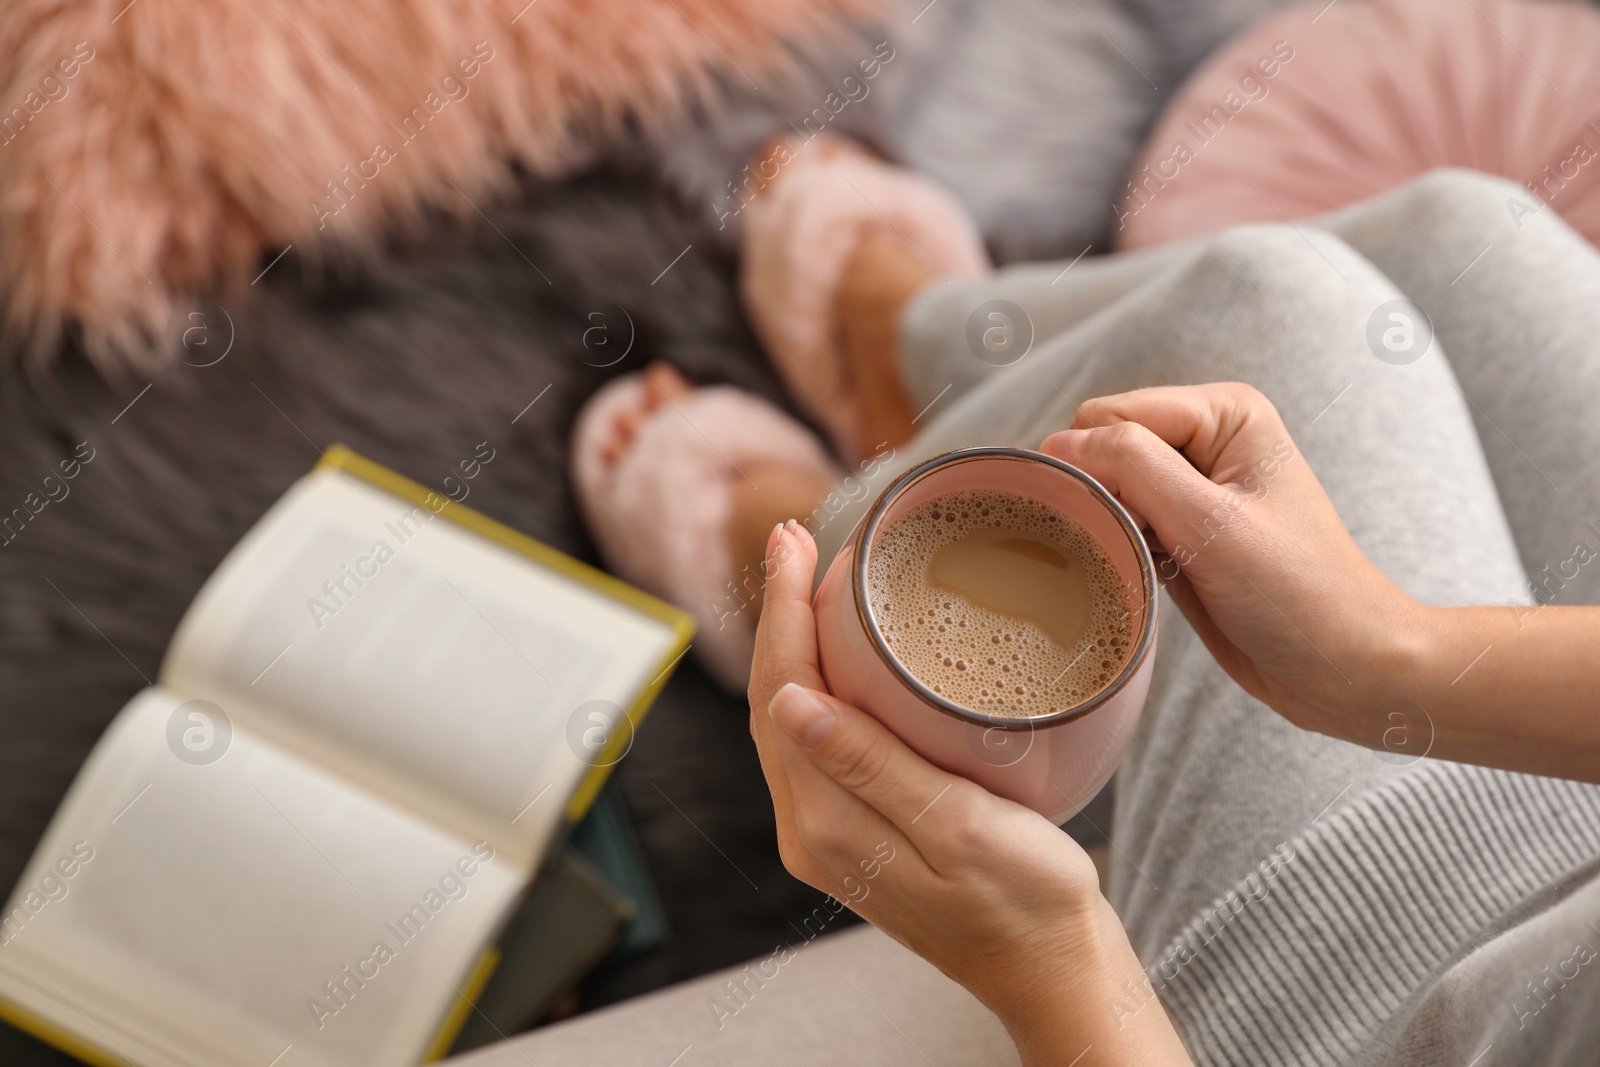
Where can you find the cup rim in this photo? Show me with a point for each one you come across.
(869, 623)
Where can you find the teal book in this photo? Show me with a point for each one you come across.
(606, 838)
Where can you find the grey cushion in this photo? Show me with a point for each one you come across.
(1184, 32)
(1030, 110)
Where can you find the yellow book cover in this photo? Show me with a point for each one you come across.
(342, 458)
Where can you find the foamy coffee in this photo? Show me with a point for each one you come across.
(999, 603)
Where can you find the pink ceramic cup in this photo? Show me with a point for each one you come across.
(1055, 763)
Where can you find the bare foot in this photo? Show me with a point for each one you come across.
(883, 276)
(681, 486)
(761, 495)
(836, 245)
(666, 385)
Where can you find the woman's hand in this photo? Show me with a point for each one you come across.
(988, 891)
(1253, 552)
(1250, 547)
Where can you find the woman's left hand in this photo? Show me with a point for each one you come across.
(988, 891)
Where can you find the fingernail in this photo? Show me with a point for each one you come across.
(802, 715)
(772, 539)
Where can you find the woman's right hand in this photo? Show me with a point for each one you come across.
(1249, 545)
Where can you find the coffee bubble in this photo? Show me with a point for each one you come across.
(981, 659)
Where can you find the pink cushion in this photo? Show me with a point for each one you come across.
(1321, 106)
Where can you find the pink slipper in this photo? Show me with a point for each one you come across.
(799, 234)
(660, 512)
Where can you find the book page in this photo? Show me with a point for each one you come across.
(249, 910)
(423, 660)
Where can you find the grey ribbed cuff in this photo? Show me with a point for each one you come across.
(1377, 899)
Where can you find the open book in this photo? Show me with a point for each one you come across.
(298, 848)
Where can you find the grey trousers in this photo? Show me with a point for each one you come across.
(1459, 474)
(1407, 900)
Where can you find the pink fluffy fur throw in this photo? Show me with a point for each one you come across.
(157, 149)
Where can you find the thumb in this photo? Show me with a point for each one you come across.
(1150, 478)
(858, 752)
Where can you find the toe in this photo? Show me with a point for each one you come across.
(665, 383)
(620, 438)
(624, 426)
